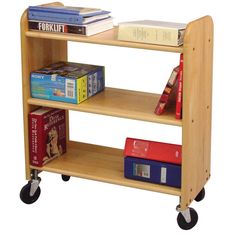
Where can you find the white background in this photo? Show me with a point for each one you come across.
(83, 207)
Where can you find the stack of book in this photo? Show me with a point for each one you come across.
(67, 82)
(173, 92)
(65, 19)
(154, 162)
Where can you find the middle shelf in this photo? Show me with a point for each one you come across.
(119, 103)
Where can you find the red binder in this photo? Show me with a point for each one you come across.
(164, 152)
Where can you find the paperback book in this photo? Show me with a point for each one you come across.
(47, 135)
(179, 97)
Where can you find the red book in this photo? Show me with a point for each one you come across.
(169, 94)
(179, 97)
(164, 152)
(47, 135)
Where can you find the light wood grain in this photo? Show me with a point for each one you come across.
(119, 103)
(99, 163)
(197, 105)
(36, 53)
(108, 37)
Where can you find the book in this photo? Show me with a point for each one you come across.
(152, 171)
(47, 135)
(64, 14)
(86, 29)
(164, 152)
(152, 32)
(169, 93)
(179, 96)
(67, 82)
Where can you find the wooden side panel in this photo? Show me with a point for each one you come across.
(36, 53)
(197, 105)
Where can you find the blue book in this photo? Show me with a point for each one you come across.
(65, 14)
(153, 171)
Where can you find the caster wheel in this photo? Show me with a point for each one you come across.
(65, 177)
(25, 194)
(200, 196)
(185, 225)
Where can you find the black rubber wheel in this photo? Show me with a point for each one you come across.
(200, 196)
(25, 194)
(182, 222)
(65, 177)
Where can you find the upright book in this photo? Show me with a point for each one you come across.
(157, 151)
(47, 135)
(179, 97)
(64, 14)
(153, 32)
(169, 94)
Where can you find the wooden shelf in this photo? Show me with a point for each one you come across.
(99, 163)
(118, 103)
(108, 37)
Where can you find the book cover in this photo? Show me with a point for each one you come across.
(152, 171)
(153, 32)
(169, 94)
(179, 96)
(63, 14)
(164, 152)
(83, 29)
(47, 135)
(67, 82)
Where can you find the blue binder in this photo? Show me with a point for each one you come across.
(153, 171)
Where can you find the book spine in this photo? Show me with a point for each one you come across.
(148, 35)
(82, 89)
(57, 27)
(165, 152)
(178, 112)
(55, 17)
(35, 140)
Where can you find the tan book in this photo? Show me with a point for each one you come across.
(152, 32)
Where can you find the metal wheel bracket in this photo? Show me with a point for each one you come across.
(186, 214)
(34, 182)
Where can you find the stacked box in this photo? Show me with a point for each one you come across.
(154, 162)
(153, 171)
(67, 82)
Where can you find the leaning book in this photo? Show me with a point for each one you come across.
(47, 135)
(152, 32)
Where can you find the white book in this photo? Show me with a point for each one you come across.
(152, 32)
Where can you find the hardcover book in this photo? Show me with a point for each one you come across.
(164, 152)
(152, 171)
(47, 135)
(64, 14)
(67, 82)
(179, 99)
(86, 29)
(153, 32)
(169, 94)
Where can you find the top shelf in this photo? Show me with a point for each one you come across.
(108, 37)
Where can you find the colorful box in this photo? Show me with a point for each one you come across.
(153, 171)
(67, 82)
(165, 152)
(47, 135)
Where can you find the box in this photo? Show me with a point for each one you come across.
(165, 152)
(47, 135)
(67, 82)
(153, 171)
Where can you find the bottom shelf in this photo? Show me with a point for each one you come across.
(99, 163)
